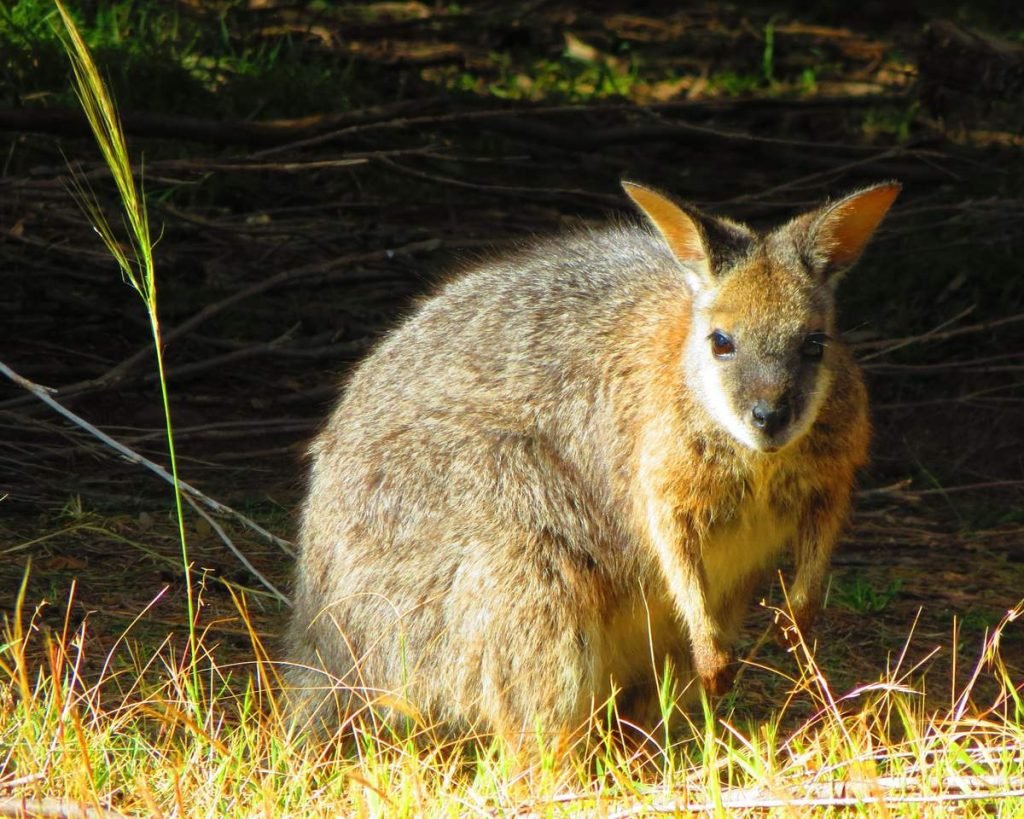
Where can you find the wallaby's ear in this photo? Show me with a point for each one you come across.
(681, 232)
(839, 232)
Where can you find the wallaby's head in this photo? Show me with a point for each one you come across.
(757, 353)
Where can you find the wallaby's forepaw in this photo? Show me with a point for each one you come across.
(721, 683)
(717, 673)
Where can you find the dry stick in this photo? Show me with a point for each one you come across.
(54, 808)
(900, 343)
(577, 138)
(161, 170)
(759, 799)
(153, 170)
(142, 123)
(965, 399)
(826, 794)
(230, 429)
(330, 351)
(237, 553)
(575, 111)
(888, 345)
(284, 277)
(899, 490)
(189, 490)
(515, 190)
(982, 364)
(274, 347)
(818, 176)
(71, 122)
(21, 781)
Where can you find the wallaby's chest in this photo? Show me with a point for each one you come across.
(747, 541)
(747, 516)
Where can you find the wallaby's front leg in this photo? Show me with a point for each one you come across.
(675, 539)
(820, 525)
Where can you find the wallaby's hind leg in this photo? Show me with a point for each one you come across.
(318, 701)
(520, 618)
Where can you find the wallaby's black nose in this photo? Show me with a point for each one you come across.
(771, 418)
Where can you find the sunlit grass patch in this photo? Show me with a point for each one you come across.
(139, 737)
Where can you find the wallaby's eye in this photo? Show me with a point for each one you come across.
(813, 346)
(721, 345)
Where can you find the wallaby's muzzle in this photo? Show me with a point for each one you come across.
(771, 418)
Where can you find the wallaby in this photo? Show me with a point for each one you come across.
(572, 465)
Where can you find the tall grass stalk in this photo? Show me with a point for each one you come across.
(135, 260)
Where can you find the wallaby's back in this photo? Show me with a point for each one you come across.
(527, 491)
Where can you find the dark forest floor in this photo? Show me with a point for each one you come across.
(428, 136)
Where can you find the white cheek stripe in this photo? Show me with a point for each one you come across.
(712, 395)
(704, 382)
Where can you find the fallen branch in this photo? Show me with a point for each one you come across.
(888, 790)
(271, 133)
(938, 334)
(885, 790)
(72, 122)
(189, 490)
(53, 807)
(237, 553)
(305, 273)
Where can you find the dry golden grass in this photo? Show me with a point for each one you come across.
(128, 731)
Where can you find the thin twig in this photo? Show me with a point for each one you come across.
(237, 552)
(947, 490)
(889, 345)
(52, 807)
(290, 276)
(763, 801)
(218, 507)
(508, 190)
(838, 793)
